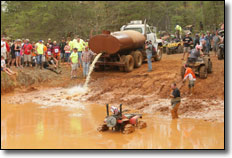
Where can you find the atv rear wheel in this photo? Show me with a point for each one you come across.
(142, 124)
(210, 67)
(129, 63)
(168, 51)
(103, 127)
(128, 128)
(203, 72)
(180, 49)
(182, 71)
(220, 54)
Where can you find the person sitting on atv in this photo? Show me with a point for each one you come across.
(194, 54)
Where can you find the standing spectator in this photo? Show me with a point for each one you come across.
(148, 48)
(208, 42)
(202, 37)
(8, 54)
(62, 51)
(33, 54)
(12, 52)
(79, 44)
(216, 40)
(50, 41)
(196, 40)
(56, 52)
(27, 49)
(18, 46)
(74, 62)
(40, 52)
(175, 101)
(86, 59)
(67, 52)
(187, 42)
(4, 68)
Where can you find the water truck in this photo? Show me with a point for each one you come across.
(126, 48)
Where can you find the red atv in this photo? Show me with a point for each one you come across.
(118, 121)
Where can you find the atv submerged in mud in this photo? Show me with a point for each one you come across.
(201, 67)
(118, 121)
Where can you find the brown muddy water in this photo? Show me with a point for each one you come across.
(36, 126)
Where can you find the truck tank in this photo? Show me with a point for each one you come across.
(116, 41)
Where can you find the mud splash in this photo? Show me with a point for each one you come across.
(91, 70)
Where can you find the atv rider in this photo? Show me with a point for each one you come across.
(195, 53)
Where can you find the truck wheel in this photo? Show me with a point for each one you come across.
(138, 58)
(210, 67)
(129, 63)
(123, 59)
(182, 71)
(203, 72)
(159, 54)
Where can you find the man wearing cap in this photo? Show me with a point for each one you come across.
(39, 47)
(148, 48)
(79, 44)
(27, 48)
(187, 42)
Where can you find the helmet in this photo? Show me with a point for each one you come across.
(114, 110)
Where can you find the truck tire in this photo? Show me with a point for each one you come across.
(129, 63)
(123, 59)
(182, 71)
(203, 72)
(138, 58)
(159, 54)
(210, 67)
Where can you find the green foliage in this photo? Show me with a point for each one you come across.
(57, 19)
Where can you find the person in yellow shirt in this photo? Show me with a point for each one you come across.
(74, 62)
(39, 49)
(79, 44)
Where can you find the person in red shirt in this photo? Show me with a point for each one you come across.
(56, 52)
(27, 49)
(49, 56)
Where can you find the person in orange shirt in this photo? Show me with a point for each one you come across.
(190, 75)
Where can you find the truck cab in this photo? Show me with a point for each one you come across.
(149, 32)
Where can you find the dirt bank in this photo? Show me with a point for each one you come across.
(140, 90)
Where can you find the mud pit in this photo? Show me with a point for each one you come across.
(68, 118)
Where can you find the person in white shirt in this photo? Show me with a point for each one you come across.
(4, 68)
(3, 47)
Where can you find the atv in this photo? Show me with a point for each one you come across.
(174, 47)
(201, 67)
(119, 121)
(221, 51)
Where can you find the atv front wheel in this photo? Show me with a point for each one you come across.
(103, 127)
(128, 128)
(210, 67)
(203, 72)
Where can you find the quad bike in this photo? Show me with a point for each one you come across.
(173, 48)
(118, 121)
(201, 67)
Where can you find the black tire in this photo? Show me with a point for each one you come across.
(182, 71)
(159, 54)
(138, 58)
(210, 67)
(99, 68)
(168, 51)
(129, 63)
(123, 59)
(220, 54)
(203, 72)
